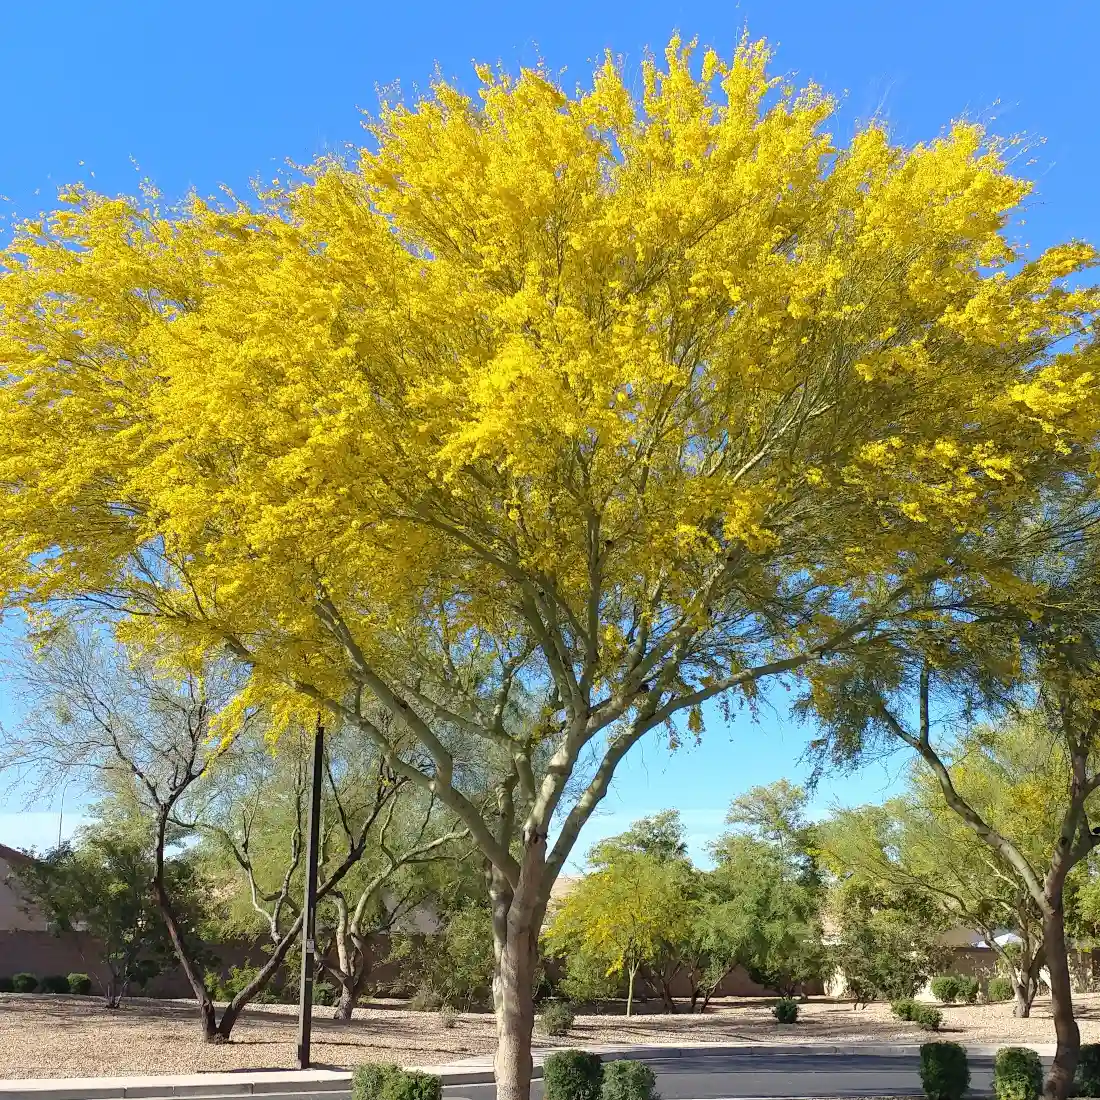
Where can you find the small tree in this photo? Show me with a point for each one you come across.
(623, 915)
(102, 886)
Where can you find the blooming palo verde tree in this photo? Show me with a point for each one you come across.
(615, 402)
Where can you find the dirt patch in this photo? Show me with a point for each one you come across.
(76, 1037)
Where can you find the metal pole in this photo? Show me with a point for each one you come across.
(309, 913)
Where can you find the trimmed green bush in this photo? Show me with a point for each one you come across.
(572, 1075)
(903, 1009)
(945, 988)
(943, 1071)
(411, 1085)
(24, 983)
(628, 1080)
(785, 1010)
(968, 989)
(1087, 1080)
(556, 1018)
(1017, 1074)
(6, 985)
(54, 983)
(80, 984)
(999, 989)
(926, 1017)
(368, 1079)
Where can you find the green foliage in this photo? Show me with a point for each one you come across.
(411, 1085)
(785, 1010)
(999, 989)
(369, 1078)
(944, 1072)
(572, 1075)
(945, 988)
(237, 980)
(1017, 1074)
(80, 984)
(24, 983)
(425, 1000)
(1087, 1079)
(54, 983)
(903, 1008)
(586, 978)
(660, 836)
(628, 1080)
(324, 994)
(454, 966)
(556, 1018)
(102, 885)
(448, 1018)
(969, 988)
(926, 1017)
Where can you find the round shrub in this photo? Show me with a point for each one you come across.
(1087, 1080)
(945, 988)
(572, 1075)
(944, 1073)
(927, 1018)
(6, 985)
(24, 983)
(411, 1085)
(368, 1079)
(324, 995)
(903, 1009)
(1017, 1074)
(786, 1010)
(556, 1018)
(54, 983)
(80, 984)
(628, 1080)
(968, 989)
(999, 989)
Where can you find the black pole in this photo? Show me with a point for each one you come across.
(309, 914)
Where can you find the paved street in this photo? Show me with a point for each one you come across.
(761, 1073)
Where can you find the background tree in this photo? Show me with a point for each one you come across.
(101, 886)
(635, 399)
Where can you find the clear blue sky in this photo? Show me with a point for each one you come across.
(204, 93)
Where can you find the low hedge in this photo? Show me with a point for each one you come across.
(572, 1075)
(944, 1072)
(1017, 1074)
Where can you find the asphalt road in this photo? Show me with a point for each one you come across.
(759, 1073)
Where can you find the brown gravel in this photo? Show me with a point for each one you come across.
(44, 1036)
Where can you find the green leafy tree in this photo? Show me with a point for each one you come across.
(102, 886)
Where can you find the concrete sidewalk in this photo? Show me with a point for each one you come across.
(331, 1084)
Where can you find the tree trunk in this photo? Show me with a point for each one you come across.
(1060, 1080)
(517, 918)
(1022, 989)
(236, 1006)
(351, 988)
(631, 971)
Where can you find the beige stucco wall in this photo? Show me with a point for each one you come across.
(13, 917)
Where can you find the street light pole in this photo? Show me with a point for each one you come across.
(309, 913)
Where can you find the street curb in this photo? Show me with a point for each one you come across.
(286, 1084)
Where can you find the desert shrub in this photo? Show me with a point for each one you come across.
(1017, 1074)
(80, 984)
(968, 989)
(54, 983)
(945, 988)
(323, 994)
(944, 1073)
(237, 980)
(368, 1079)
(24, 983)
(411, 1085)
(926, 1017)
(572, 1075)
(785, 1010)
(628, 1080)
(425, 999)
(903, 1008)
(1087, 1081)
(999, 989)
(6, 985)
(448, 1018)
(556, 1018)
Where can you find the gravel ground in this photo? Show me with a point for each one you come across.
(76, 1037)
